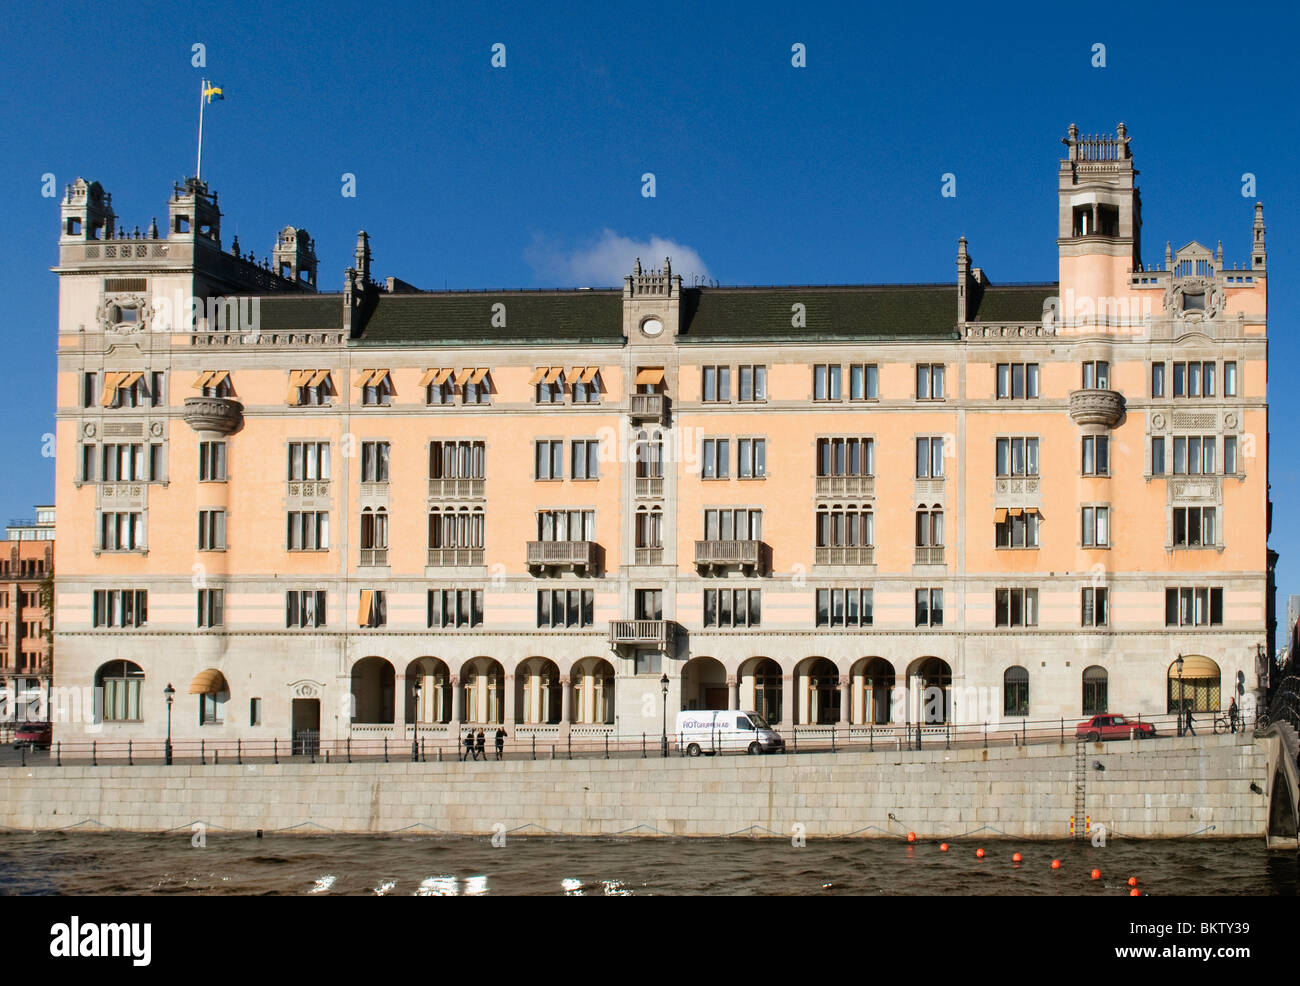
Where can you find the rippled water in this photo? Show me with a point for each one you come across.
(57, 863)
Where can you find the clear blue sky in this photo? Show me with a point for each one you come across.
(471, 176)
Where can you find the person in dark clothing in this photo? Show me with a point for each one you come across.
(501, 741)
(469, 744)
(1189, 728)
(480, 746)
(1233, 715)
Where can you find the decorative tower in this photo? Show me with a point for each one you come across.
(193, 213)
(87, 212)
(1099, 215)
(295, 256)
(1258, 251)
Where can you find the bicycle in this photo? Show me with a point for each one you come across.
(1223, 723)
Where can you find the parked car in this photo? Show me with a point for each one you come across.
(37, 735)
(1109, 726)
(726, 732)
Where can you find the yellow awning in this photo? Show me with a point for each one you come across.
(378, 377)
(297, 378)
(111, 382)
(319, 378)
(463, 375)
(1031, 510)
(554, 374)
(536, 378)
(363, 378)
(218, 377)
(442, 376)
(131, 379)
(1015, 511)
(651, 376)
(203, 379)
(1001, 516)
(1195, 666)
(478, 376)
(428, 377)
(589, 374)
(363, 611)
(209, 682)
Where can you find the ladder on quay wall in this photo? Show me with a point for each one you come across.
(1080, 786)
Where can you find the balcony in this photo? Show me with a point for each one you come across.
(650, 487)
(861, 486)
(846, 555)
(649, 556)
(1097, 407)
(220, 414)
(456, 489)
(308, 488)
(719, 555)
(642, 633)
(579, 557)
(374, 557)
(930, 555)
(647, 407)
(453, 557)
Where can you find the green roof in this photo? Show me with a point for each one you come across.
(294, 312)
(466, 318)
(893, 311)
(1014, 303)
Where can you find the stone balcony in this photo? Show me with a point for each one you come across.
(630, 634)
(845, 555)
(1097, 407)
(647, 407)
(649, 487)
(220, 414)
(578, 557)
(456, 489)
(930, 555)
(864, 486)
(721, 555)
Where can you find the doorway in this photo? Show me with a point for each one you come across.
(306, 727)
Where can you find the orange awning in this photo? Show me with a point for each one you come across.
(1016, 511)
(218, 377)
(297, 378)
(554, 374)
(536, 378)
(363, 378)
(1001, 516)
(111, 382)
(478, 376)
(203, 379)
(209, 682)
(363, 611)
(1031, 510)
(651, 376)
(427, 378)
(589, 374)
(320, 377)
(378, 377)
(463, 375)
(131, 379)
(442, 376)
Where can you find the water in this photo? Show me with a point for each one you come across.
(107, 864)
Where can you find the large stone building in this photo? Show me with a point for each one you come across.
(26, 562)
(342, 514)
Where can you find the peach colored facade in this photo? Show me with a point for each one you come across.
(1102, 535)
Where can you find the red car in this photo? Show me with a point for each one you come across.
(37, 735)
(1109, 726)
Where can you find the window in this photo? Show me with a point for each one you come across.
(89, 462)
(864, 382)
(309, 460)
(732, 607)
(156, 457)
(549, 458)
(733, 525)
(310, 388)
(1230, 455)
(1017, 380)
(212, 530)
(846, 526)
(1194, 455)
(1096, 527)
(304, 608)
(123, 463)
(929, 381)
(372, 608)
(563, 608)
(1096, 455)
(89, 389)
(440, 390)
(374, 462)
(1157, 379)
(1017, 456)
(716, 463)
(566, 525)
(1194, 606)
(649, 454)
(159, 388)
(1194, 379)
(212, 606)
(649, 604)
(255, 712)
(647, 662)
(1230, 378)
(122, 531)
(374, 536)
(454, 609)
(212, 462)
(120, 608)
(550, 388)
(1094, 691)
(1157, 456)
(1015, 607)
(455, 527)
(716, 384)
(753, 383)
(457, 460)
(216, 384)
(477, 387)
(929, 607)
(376, 389)
(1194, 527)
(119, 683)
(929, 527)
(844, 608)
(650, 528)
(1096, 606)
(827, 381)
(585, 459)
(1096, 375)
(586, 388)
(752, 462)
(929, 458)
(1016, 528)
(1015, 691)
(308, 530)
(846, 457)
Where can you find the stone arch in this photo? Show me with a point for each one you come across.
(373, 680)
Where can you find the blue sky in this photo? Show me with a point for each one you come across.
(469, 176)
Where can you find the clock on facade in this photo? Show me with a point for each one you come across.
(652, 327)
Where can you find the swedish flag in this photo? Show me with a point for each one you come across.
(212, 92)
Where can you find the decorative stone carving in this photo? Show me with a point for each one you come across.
(219, 414)
(1097, 407)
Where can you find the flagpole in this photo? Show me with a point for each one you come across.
(198, 167)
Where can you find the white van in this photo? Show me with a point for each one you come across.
(726, 732)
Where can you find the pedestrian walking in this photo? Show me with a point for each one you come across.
(1189, 723)
(1233, 715)
(469, 744)
(501, 741)
(480, 746)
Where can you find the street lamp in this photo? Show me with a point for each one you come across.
(663, 684)
(170, 694)
(1178, 666)
(415, 720)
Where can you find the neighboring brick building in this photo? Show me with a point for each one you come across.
(389, 507)
(26, 560)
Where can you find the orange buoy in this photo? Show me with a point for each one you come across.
(979, 853)
(943, 847)
(1135, 892)
(1015, 857)
(1132, 881)
(911, 836)
(1056, 864)
(1096, 874)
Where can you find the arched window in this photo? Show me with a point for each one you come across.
(1015, 691)
(649, 455)
(649, 528)
(374, 528)
(1196, 684)
(119, 683)
(1094, 690)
